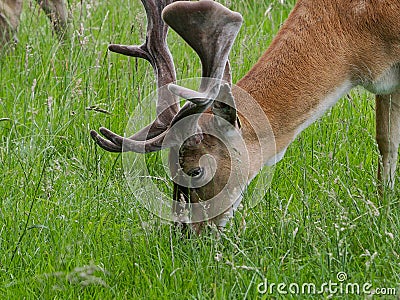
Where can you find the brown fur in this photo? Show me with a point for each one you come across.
(10, 12)
(322, 43)
(321, 46)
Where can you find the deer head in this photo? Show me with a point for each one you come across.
(203, 135)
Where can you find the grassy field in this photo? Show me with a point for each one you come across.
(70, 228)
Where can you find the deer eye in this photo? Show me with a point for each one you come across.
(196, 172)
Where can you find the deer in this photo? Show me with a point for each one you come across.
(323, 50)
(10, 13)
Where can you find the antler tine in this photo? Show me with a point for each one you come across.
(154, 50)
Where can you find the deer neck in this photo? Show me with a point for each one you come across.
(292, 99)
(323, 50)
(303, 73)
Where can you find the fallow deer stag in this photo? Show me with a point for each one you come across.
(324, 49)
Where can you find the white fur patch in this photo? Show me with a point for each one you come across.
(387, 83)
(325, 104)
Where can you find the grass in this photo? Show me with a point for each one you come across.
(71, 229)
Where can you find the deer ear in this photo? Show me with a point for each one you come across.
(224, 106)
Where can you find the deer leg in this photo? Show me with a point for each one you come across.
(388, 136)
(10, 12)
(56, 11)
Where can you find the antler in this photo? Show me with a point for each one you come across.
(155, 51)
(210, 29)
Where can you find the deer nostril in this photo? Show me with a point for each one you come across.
(196, 172)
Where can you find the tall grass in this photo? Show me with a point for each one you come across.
(70, 228)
